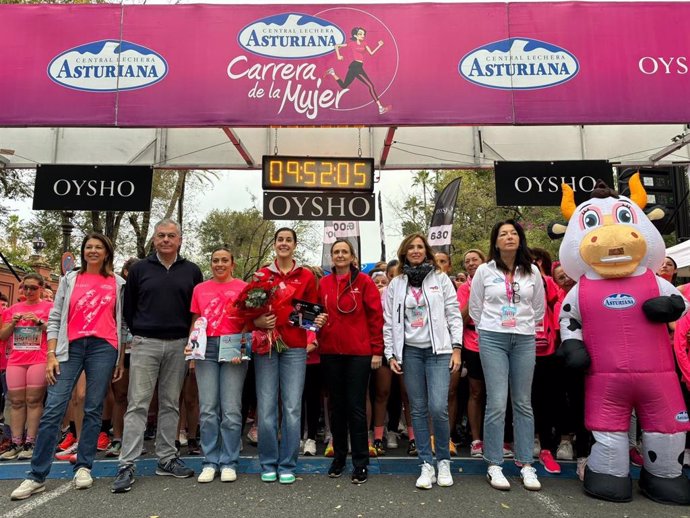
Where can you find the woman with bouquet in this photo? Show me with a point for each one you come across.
(219, 383)
(280, 360)
(351, 343)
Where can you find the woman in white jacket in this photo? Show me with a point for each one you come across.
(423, 333)
(506, 303)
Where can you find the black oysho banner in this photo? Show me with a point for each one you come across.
(539, 183)
(89, 187)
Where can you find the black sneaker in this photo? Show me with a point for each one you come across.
(359, 475)
(412, 448)
(150, 432)
(336, 469)
(193, 447)
(123, 480)
(174, 468)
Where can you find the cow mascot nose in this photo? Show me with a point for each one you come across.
(614, 324)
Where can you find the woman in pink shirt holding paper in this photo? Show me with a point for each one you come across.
(24, 327)
(220, 374)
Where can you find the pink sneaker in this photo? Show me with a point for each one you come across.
(477, 449)
(547, 460)
(635, 457)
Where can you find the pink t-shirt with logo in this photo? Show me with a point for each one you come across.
(210, 299)
(92, 308)
(28, 343)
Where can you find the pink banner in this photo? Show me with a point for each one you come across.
(405, 64)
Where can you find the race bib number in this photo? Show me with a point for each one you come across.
(417, 317)
(508, 316)
(27, 338)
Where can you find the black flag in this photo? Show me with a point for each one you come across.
(441, 228)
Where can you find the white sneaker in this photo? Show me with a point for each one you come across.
(26, 489)
(581, 463)
(565, 451)
(427, 478)
(536, 450)
(445, 479)
(82, 478)
(309, 448)
(207, 475)
(228, 475)
(529, 478)
(391, 440)
(496, 478)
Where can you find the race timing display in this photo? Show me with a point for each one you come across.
(317, 173)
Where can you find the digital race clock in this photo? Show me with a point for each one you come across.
(318, 173)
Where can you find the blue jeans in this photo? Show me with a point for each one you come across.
(427, 377)
(220, 407)
(284, 371)
(96, 357)
(508, 358)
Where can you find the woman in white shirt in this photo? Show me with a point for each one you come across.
(506, 303)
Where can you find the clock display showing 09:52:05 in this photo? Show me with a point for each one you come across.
(318, 173)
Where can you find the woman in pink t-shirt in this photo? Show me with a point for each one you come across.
(24, 327)
(84, 335)
(220, 378)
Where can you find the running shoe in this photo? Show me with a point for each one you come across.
(477, 449)
(103, 441)
(529, 478)
(27, 451)
(565, 450)
(635, 457)
(507, 451)
(253, 435)
(114, 449)
(67, 442)
(329, 450)
(452, 449)
(496, 478)
(391, 440)
(378, 446)
(412, 448)
(547, 460)
(70, 454)
(12, 452)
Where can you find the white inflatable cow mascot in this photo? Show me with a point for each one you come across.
(613, 322)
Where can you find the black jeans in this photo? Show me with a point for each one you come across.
(347, 378)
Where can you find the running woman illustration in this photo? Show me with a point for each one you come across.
(356, 68)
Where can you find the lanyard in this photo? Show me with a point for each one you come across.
(417, 294)
(509, 288)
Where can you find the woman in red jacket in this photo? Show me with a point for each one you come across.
(284, 370)
(351, 344)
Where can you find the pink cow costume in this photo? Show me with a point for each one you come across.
(613, 321)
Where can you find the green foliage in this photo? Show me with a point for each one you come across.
(475, 212)
(246, 233)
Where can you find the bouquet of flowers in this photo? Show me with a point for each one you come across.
(264, 295)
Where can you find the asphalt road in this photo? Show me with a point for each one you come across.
(315, 495)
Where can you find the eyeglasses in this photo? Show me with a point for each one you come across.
(515, 288)
(30, 288)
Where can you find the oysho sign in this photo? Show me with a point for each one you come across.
(319, 206)
(539, 183)
(86, 187)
